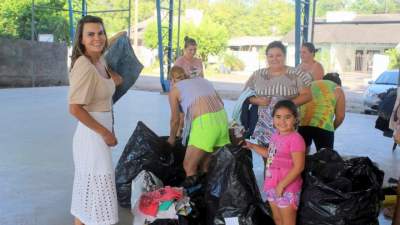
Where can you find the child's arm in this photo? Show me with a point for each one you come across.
(298, 167)
(259, 149)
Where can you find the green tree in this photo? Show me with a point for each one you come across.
(16, 17)
(227, 14)
(365, 6)
(359, 6)
(146, 9)
(323, 6)
(113, 21)
(211, 38)
(391, 6)
(263, 17)
(277, 17)
(151, 35)
(394, 58)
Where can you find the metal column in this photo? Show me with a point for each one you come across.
(306, 19)
(71, 22)
(301, 27)
(84, 8)
(164, 82)
(170, 30)
(178, 50)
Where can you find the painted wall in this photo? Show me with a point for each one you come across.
(32, 64)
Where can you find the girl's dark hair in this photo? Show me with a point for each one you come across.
(333, 77)
(189, 41)
(288, 104)
(79, 49)
(310, 46)
(276, 44)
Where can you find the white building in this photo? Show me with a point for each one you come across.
(351, 47)
(251, 50)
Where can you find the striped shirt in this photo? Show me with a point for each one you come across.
(287, 85)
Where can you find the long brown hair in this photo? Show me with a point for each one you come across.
(78, 48)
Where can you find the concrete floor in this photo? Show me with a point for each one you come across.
(36, 168)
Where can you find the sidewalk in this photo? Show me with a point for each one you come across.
(36, 167)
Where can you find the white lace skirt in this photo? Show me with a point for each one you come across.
(94, 198)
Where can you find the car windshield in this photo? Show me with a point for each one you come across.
(388, 77)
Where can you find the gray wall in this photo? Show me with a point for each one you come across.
(32, 64)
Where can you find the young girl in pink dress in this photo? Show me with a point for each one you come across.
(285, 162)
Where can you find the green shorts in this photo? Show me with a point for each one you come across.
(209, 131)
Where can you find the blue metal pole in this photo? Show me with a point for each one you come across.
(71, 22)
(297, 32)
(160, 44)
(129, 19)
(313, 21)
(306, 20)
(170, 30)
(84, 8)
(178, 50)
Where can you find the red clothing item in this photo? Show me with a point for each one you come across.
(150, 201)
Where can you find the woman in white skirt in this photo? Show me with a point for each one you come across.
(92, 85)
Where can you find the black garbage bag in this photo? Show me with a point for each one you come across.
(146, 151)
(165, 222)
(196, 192)
(325, 164)
(122, 59)
(352, 197)
(232, 189)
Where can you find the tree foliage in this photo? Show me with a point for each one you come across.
(358, 6)
(323, 6)
(264, 17)
(394, 58)
(16, 17)
(117, 21)
(235, 17)
(211, 38)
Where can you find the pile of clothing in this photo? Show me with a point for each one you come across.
(160, 204)
(149, 171)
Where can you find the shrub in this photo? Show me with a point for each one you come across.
(234, 63)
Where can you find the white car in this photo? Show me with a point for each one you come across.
(386, 80)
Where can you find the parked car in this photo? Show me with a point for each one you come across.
(386, 80)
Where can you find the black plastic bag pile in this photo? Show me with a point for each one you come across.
(340, 192)
(232, 189)
(198, 215)
(147, 151)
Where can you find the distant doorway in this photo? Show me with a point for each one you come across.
(359, 60)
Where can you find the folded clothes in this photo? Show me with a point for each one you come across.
(183, 206)
(164, 206)
(149, 202)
